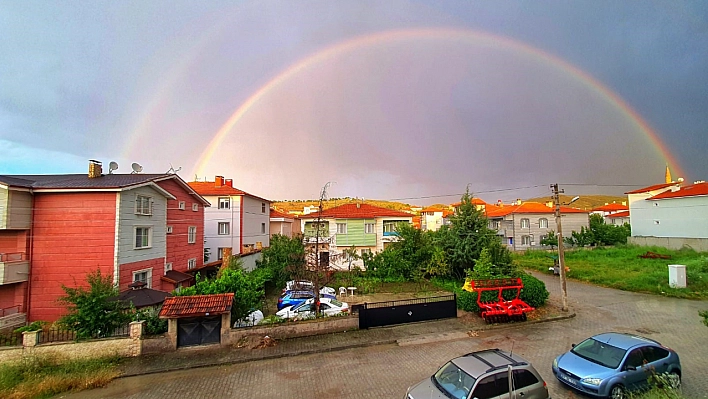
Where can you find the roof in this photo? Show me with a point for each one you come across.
(175, 276)
(480, 362)
(357, 211)
(610, 208)
(474, 200)
(652, 188)
(623, 214)
(212, 188)
(276, 214)
(143, 297)
(621, 340)
(694, 190)
(527, 207)
(196, 305)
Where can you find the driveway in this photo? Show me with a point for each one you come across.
(385, 371)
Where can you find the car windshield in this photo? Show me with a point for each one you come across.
(600, 353)
(454, 381)
(336, 303)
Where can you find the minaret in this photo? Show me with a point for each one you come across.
(668, 174)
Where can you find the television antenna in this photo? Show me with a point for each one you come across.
(172, 170)
(136, 167)
(112, 166)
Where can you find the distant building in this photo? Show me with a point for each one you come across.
(285, 224)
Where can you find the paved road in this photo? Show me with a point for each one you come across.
(385, 371)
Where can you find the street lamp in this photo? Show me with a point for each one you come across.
(561, 255)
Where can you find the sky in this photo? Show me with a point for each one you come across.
(400, 100)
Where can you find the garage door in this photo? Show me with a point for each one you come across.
(198, 331)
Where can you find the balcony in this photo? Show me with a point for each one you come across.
(14, 268)
(15, 209)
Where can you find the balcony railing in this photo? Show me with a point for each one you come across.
(14, 267)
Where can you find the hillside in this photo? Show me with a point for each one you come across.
(586, 202)
(298, 205)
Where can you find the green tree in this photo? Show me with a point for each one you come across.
(93, 312)
(284, 257)
(550, 239)
(465, 237)
(483, 268)
(350, 254)
(704, 315)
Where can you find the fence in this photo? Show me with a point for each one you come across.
(378, 314)
(11, 338)
(59, 335)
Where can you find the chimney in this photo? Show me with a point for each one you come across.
(95, 169)
(518, 201)
(549, 204)
(226, 257)
(499, 203)
(218, 181)
(358, 205)
(230, 183)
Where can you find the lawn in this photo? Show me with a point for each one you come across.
(622, 268)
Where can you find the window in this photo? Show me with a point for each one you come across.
(168, 267)
(525, 240)
(220, 253)
(365, 251)
(192, 263)
(192, 235)
(181, 205)
(224, 203)
(263, 207)
(524, 378)
(654, 353)
(543, 223)
(143, 237)
(224, 229)
(485, 389)
(144, 276)
(370, 228)
(341, 228)
(143, 205)
(263, 229)
(656, 222)
(525, 224)
(169, 230)
(494, 224)
(195, 207)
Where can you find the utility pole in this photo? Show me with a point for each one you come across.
(561, 255)
(318, 266)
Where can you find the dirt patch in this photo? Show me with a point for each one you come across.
(255, 342)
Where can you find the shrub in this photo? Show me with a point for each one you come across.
(534, 292)
(467, 301)
(154, 325)
(34, 326)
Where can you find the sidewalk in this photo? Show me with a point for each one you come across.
(405, 334)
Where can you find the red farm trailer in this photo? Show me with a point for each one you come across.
(502, 308)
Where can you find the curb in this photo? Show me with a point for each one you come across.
(406, 341)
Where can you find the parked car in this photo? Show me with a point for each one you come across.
(483, 375)
(612, 364)
(306, 285)
(328, 306)
(251, 320)
(294, 298)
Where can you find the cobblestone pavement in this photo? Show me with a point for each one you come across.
(386, 369)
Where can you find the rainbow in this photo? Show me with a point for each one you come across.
(472, 36)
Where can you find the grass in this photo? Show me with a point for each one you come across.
(622, 268)
(46, 376)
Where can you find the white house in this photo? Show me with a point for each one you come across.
(236, 219)
(671, 216)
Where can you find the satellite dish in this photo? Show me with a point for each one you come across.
(112, 166)
(136, 167)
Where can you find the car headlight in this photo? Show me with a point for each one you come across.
(555, 363)
(592, 381)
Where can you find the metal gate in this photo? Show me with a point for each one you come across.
(378, 314)
(198, 331)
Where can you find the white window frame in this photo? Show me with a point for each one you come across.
(224, 202)
(263, 228)
(220, 253)
(223, 228)
(149, 237)
(192, 235)
(143, 205)
(168, 267)
(341, 228)
(148, 276)
(525, 223)
(370, 228)
(191, 263)
(168, 230)
(543, 223)
(525, 240)
(195, 207)
(181, 205)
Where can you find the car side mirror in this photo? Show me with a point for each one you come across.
(572, 345)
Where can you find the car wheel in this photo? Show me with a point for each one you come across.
(617, 392)
(674, 380)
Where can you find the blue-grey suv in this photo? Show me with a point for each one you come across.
(611, 364)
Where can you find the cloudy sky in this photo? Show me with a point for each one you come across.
(390, 100)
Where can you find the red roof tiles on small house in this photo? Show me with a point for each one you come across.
(197, 305)
(610, 208)
(624, 214)
(276, 214)
(357, 211)
(527, 207)
(219, 187)
(652, 188)
(694, 190)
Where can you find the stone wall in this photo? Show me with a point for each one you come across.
(697, 244)
(122, 347)
(294, 329)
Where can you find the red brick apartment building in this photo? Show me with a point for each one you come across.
(55, 229)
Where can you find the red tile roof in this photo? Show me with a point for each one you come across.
(357, 211)
(651, 188)
(274, 213)
(527, 207)
(694, 190)
(624, 214)
(197, 305)
(610, 208)
(211, 188)
(475, 201)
